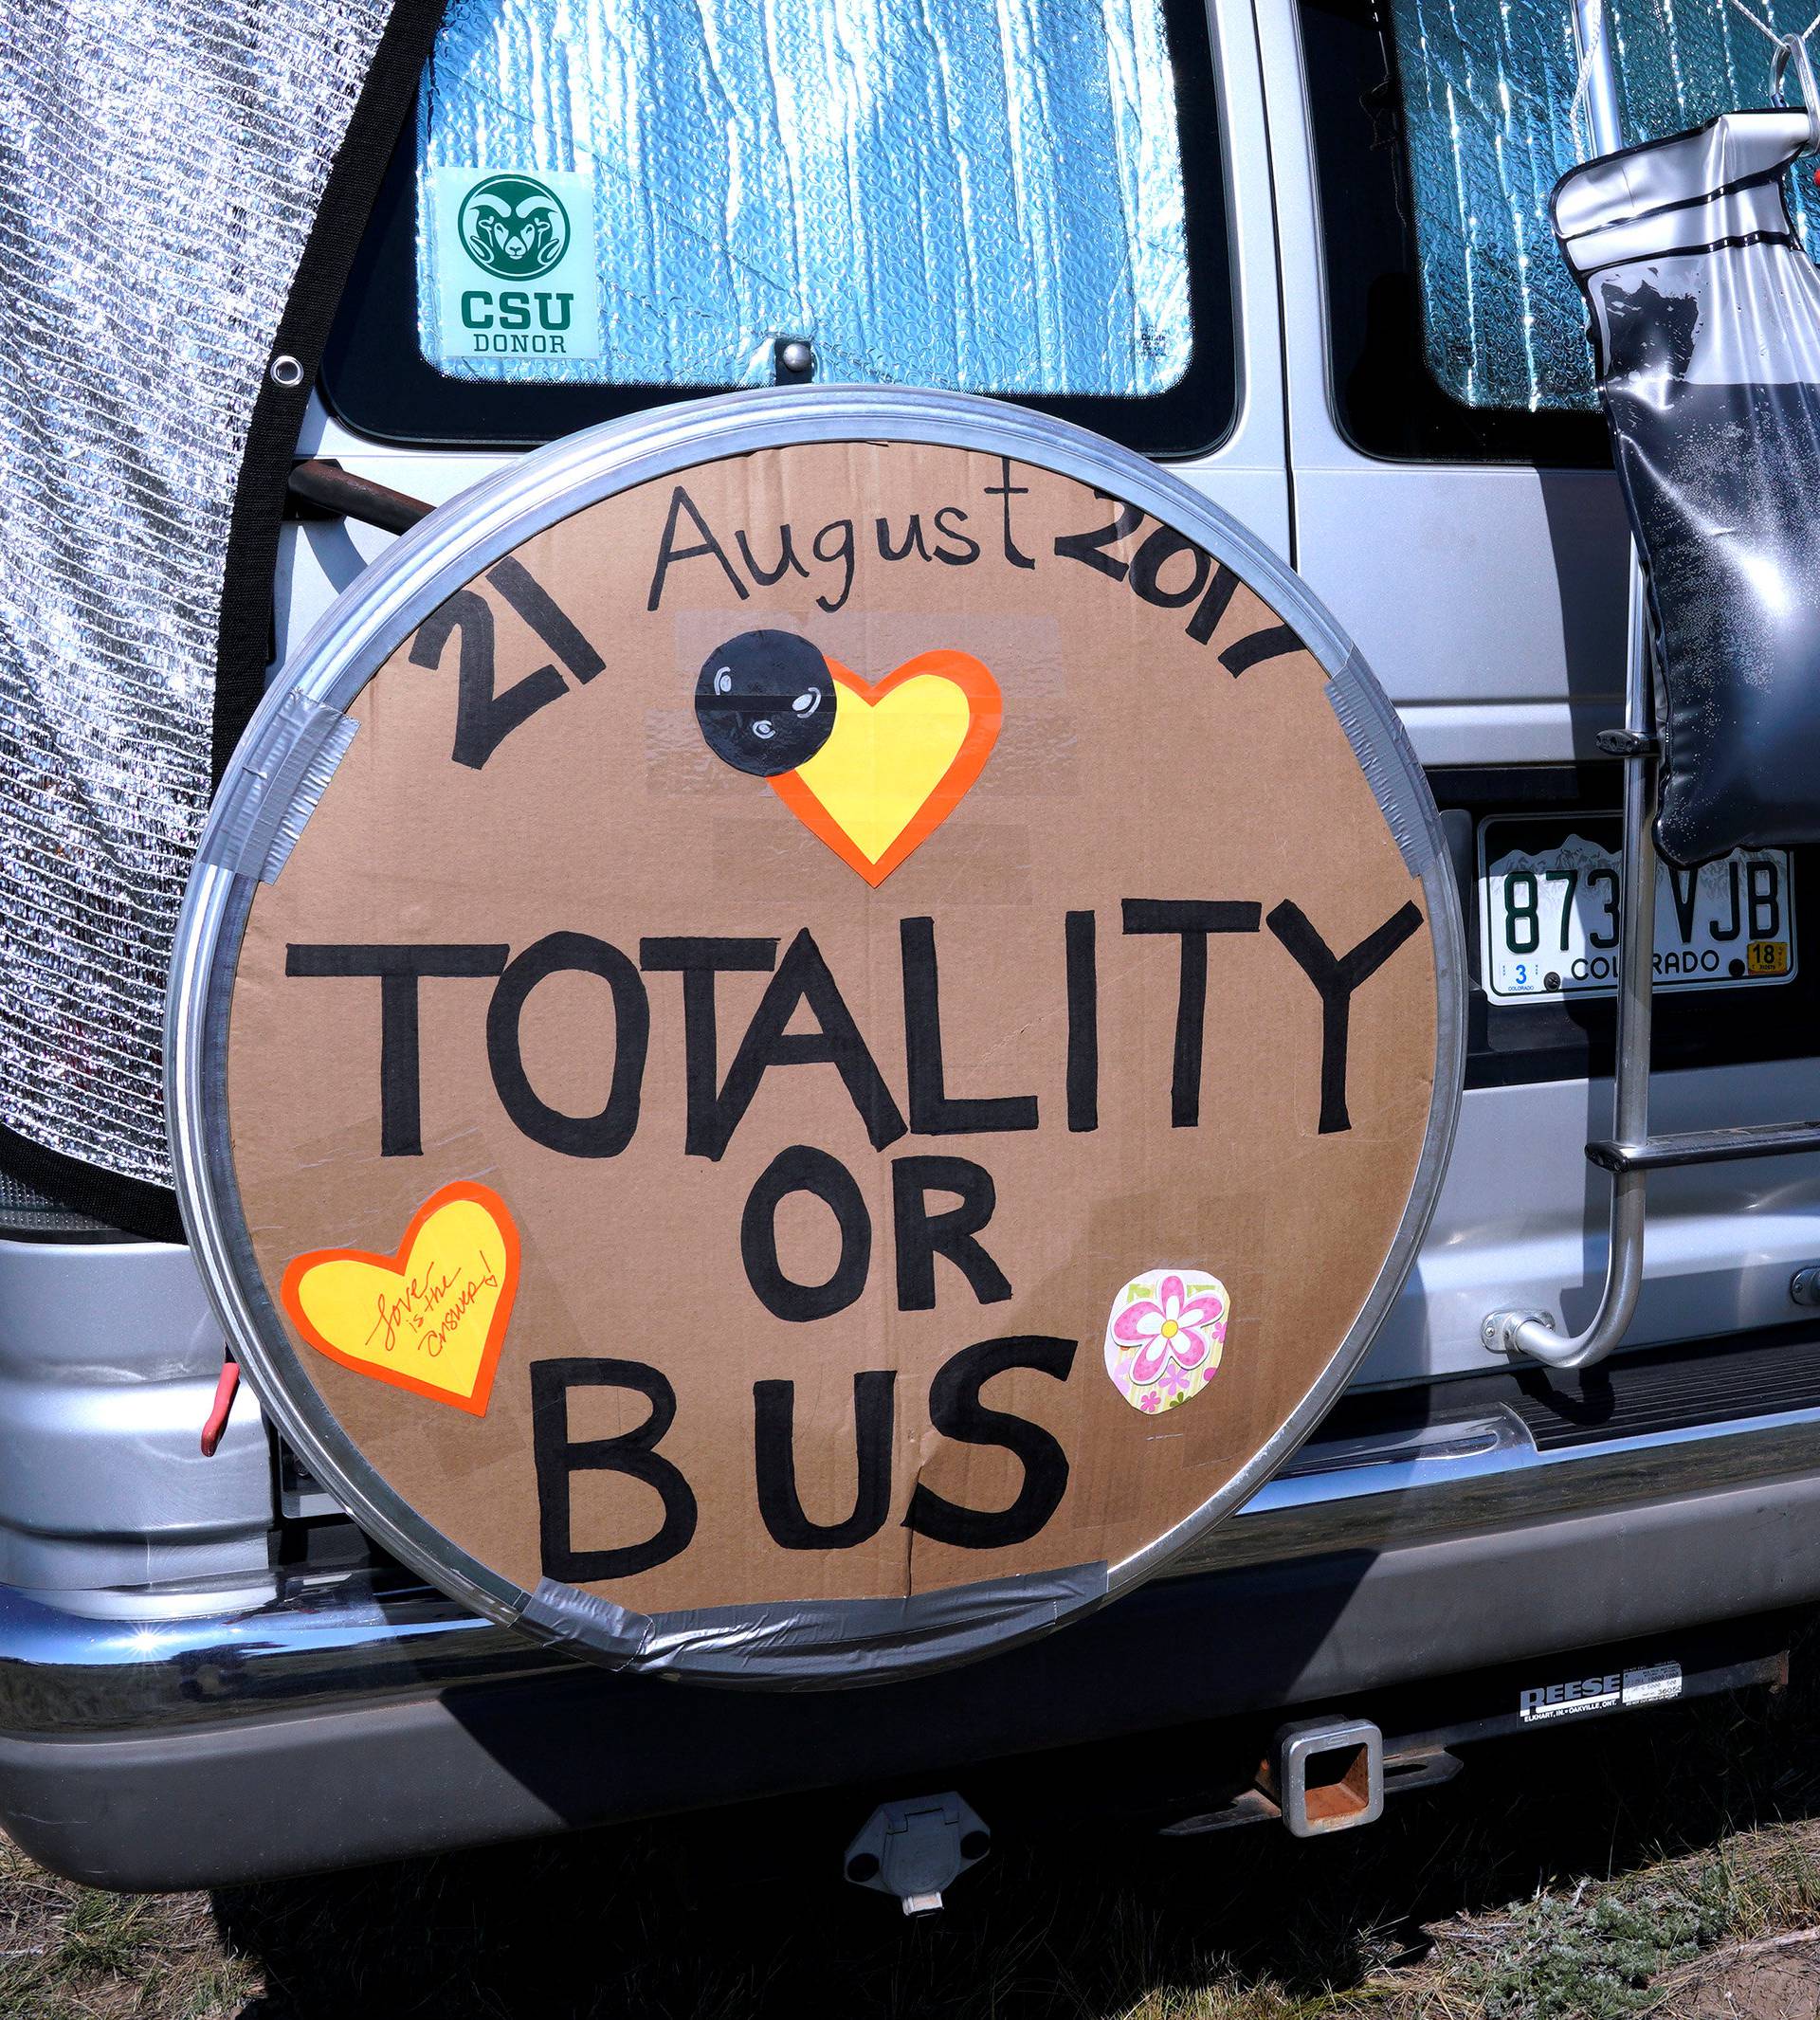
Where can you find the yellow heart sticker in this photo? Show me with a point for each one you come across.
(901, 754)
(431, 1317)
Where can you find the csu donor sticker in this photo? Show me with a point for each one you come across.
(813, 1030)
(511, 256)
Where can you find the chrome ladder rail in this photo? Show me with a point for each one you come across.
(1631, 1152)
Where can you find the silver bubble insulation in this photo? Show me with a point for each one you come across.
(161, 163)
(1487, 92)
(982, 194)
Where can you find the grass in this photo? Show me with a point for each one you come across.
(68, 1953)
(1666, 1863)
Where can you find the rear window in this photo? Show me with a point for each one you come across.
(1441, 128)
(602, 203)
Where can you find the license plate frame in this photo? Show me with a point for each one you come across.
(1583, 873)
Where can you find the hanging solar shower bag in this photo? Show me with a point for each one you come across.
(1706, 321)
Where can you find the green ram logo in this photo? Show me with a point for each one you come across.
(513, 227)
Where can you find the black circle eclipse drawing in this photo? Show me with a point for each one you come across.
(765, 701)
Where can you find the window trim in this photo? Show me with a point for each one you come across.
(389, 393)
(1414, 421)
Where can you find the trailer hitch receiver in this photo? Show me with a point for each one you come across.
(1327, 1775)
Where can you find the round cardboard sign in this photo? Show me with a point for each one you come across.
(811, 1031)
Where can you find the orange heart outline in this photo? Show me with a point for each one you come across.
(985, 714)
(461, 1188)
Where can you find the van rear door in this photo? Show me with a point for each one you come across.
(1470, 535)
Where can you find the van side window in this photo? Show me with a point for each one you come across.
(624, 200)
(1441, 128)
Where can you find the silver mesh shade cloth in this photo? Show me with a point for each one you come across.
(1487, 89)
(163, 165)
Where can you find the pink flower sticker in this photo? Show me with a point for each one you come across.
(1165, 1336)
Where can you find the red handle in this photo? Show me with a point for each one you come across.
(223, 1404)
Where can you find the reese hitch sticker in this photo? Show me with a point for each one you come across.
(1615, 1690)
(513, 262)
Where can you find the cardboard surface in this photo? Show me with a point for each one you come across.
(791, 1218)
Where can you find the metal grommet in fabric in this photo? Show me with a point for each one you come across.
(286, 371)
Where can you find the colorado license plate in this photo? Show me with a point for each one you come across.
(1549, 921)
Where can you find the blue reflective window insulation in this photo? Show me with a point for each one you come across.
(983, 194)
(1487, 88)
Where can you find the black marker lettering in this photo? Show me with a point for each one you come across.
(1257, 647)
(546, 617)
(787, 558)
(1157, 550)
(399, 970)
(482, 719)
(1212, 607)
(1193, 921)
(596, 1135)
(921, 1236)
(802, 1169)
(912, 540)
(963, 540)
(843, 552)
(956, 1412)
(774, 1463)
(1086, 546)
(1079, 928)
(1006, 489)
(931, 1112)
(802, 978)
(1335, 977)
(668, 553)
(558, 1458)
(698, 960)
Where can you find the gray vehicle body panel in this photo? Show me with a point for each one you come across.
(161, 1670)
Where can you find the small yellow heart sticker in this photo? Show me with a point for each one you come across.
(430, 1318)
(900, 759)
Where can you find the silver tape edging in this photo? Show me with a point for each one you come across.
(829, 1644)
(264, 807)
(1373, 729)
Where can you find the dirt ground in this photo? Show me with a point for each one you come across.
(1777, 1979)
(1663, 1862)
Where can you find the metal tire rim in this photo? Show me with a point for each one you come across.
(384, 605)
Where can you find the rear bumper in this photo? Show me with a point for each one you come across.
(355, 1718)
